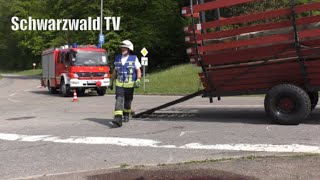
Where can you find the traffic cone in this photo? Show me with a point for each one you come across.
(75, 97)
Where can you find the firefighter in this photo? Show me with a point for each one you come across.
(126, 75)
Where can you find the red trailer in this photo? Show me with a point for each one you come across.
(275, 52)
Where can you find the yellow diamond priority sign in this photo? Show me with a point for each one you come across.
(144, 52)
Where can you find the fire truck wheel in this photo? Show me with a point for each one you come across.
(287, 104)
(65, 89)
(101, 91)
(314, 98)
(52, 90)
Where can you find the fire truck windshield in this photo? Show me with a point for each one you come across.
(89, 58)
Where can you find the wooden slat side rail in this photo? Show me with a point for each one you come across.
(214, 5)
(261, 16)
(281, 38)
(265, 76)
(254, 56)
(257, 28)
(257, 57)
(244, 55)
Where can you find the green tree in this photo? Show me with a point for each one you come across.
(156, 25)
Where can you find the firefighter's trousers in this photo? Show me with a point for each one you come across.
(124, 97)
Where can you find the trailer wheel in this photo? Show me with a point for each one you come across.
(65, 89)
(101, 91)
(287, 104)
(51, 90)
(314, 98)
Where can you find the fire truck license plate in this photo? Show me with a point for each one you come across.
(91, 82)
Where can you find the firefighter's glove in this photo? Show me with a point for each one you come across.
(137, 83)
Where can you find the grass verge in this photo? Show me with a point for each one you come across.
(176, 80)
(30, 72)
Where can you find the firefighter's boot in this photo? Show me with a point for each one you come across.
(126, 117)
(117, 120)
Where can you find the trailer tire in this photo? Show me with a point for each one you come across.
(51, 90)
(287, 104)
(65, 89)
(101, 91)
(314, 98)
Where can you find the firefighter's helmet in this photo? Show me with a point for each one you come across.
(127, 44)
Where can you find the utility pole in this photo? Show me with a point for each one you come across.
(101, 37)
(101, 16)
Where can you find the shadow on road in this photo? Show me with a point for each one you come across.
(178, 174)
(21, 118)
(246, 168)
(105, 122)
(247, 116)
(46, 93)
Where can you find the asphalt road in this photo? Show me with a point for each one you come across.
(48, 134)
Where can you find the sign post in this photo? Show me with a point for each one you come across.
(101, 36)
(101, 39)
(144, 63)
(34, 67)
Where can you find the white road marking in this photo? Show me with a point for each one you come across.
(267, 128)
(185, 132)
(297, 148)
(81, 140)
(13, 100)
(135, 142)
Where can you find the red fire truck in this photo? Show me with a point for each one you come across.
(78, 67)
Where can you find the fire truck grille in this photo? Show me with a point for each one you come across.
(91, 74)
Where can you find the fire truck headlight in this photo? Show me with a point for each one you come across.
(106, 75)
(73, 75)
